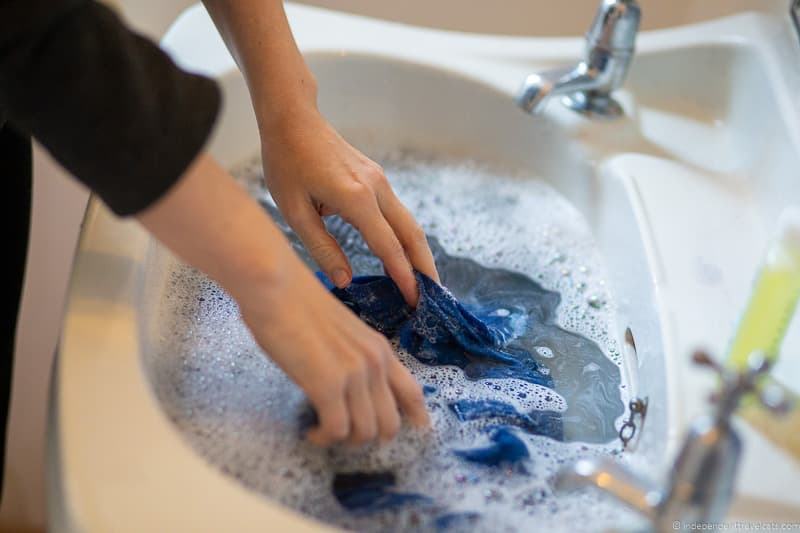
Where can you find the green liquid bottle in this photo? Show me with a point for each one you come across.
(764, 324)
(774, 298)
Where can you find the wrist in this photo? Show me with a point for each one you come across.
(259, 288)
(277, 111)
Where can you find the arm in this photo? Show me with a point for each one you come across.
(347, 369)
(310, 170)
(118, 114)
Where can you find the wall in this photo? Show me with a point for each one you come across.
(544, 18)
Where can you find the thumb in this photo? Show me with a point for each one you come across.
(322, 247)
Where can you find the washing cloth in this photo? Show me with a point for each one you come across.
(442, 330)
(372, 492)
(547, 423)
(519, 326)
(506, 449)
(493, 324)
(458, 521)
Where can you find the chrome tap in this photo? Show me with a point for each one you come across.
(587, 87)
(700, 485)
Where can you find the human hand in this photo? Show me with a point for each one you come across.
(347, 369)
(312, 172)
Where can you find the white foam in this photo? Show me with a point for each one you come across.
(239, 411)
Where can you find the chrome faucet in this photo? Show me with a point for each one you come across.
(700, 485)
(587, 87)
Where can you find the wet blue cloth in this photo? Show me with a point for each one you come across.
(372, 492)
(463, 521)
(547, 423)
(491, 323)
(518, 317)
(441, 330)
(506, 449)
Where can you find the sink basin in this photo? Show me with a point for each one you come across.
(680, 196)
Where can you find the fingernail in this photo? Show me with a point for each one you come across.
(340, 278)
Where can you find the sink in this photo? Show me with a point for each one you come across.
(680, 196)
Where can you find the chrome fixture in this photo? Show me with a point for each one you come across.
(587, 87)
(630, 428)
(700, 485)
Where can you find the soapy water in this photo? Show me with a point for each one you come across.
(240, 412)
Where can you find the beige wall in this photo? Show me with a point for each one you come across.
(539, 17)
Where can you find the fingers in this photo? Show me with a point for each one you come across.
(410, 234)
(363, 425)
(383, 400)
(367, 407)
(324, 249)
(334, 420)
(373, 410)
(408, 394)
(383, 242)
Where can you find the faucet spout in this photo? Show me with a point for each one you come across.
(614, 479)
(538, 88)
(587, 87)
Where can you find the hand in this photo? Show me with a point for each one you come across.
(312, 171)
(348, 370)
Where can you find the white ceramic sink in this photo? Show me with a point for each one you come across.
(680, 195)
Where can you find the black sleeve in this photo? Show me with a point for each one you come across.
(108, 104)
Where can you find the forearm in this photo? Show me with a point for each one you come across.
(258, 35)
(210, 222)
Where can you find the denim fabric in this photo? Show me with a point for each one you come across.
(372, 492)
(441, 330)
(491, 323)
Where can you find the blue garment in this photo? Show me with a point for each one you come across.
(490, 323)
(372, 492)
(464, 521)
(506, 449)
(517, 313)
(547, 423)
(441, 330)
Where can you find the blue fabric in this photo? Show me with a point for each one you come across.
(506, 449)
(464, 521)
(441, 330)
(427, 390)
(547, 423)
(372, 492)
(518, 318)
(491, 323)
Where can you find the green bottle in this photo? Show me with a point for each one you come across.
(774, 298)
(764, 324)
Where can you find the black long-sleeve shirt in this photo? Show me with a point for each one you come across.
(108, 104)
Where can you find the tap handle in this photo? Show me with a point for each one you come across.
(775, 399)
(737, 383)
(615, 26)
